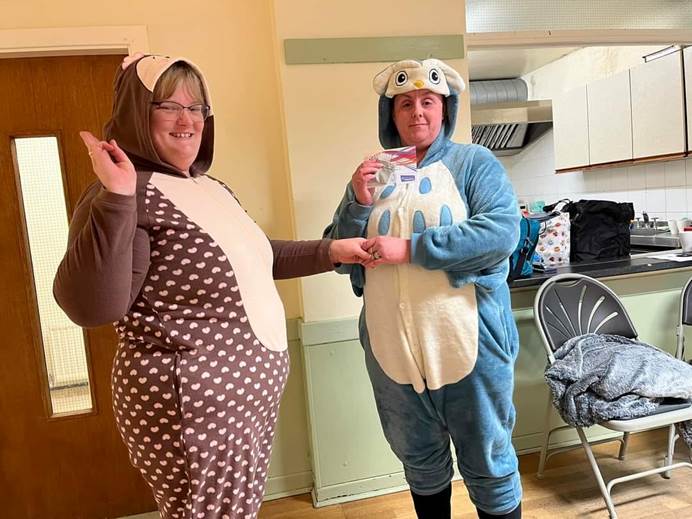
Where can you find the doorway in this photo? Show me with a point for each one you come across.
(60, 453)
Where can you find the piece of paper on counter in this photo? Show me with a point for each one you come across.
(671, 256)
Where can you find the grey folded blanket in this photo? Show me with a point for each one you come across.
(607, 377)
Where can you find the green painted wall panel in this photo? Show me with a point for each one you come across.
(290, 470)
(327, 332)
(372, 50)
(347, 440)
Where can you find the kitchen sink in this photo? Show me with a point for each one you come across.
(662, 240)
(647, 231)
(648, 243)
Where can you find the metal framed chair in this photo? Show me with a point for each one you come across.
(569, 305)
(685, 319)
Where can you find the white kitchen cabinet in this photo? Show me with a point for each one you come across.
(610, 119)
(658, 115)
(571, 129)
(687, 54)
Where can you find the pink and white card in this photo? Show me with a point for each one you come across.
(399, 165)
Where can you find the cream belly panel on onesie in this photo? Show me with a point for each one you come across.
(208, 204)
(422, 330)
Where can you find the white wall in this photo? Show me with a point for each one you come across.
(661, 189)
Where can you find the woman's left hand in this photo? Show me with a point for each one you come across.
(348, 250)
(387, 250)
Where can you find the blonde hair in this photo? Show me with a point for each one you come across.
(180, 73)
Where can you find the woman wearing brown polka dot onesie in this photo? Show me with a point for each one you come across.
(167, 253)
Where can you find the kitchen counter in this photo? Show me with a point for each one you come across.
(606, 268)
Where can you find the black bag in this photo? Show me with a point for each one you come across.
(600, 229)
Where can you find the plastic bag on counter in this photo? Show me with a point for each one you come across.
(553, 247)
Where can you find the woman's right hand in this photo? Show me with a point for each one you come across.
(348, 250)
(359, 181)
(111, 165)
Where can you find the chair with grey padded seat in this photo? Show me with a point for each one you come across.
(570, 305)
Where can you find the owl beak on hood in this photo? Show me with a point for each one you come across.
(418, 83)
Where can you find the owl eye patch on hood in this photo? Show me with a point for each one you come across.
(409, 75)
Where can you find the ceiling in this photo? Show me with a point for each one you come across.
(511, 62)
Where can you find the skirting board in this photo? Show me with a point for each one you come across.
(288, 485)
(362, 489)
(395, 482)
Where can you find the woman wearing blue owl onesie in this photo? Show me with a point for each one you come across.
(437, 328)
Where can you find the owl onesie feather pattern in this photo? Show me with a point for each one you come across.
(438, 333)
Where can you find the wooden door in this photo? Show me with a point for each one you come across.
(65, 464)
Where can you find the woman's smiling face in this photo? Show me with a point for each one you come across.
(177, 140)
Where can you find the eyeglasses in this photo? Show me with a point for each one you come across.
(171, 111)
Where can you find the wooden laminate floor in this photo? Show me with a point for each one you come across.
(568, 490)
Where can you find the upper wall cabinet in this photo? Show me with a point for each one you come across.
(687, 55)
(610, 116)
(571, 129)
(658, 115)
(637, 114)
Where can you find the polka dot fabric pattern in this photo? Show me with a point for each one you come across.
(196, 395)
(553, 245)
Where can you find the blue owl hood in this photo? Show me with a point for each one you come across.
(409, 75)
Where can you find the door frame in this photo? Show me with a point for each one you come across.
(65, 41)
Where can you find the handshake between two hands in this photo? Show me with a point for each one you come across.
(372, 252)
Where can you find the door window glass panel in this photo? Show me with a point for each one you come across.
(45, 213)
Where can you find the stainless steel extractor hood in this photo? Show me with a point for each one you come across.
(503, 119)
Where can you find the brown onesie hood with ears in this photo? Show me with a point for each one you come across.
(129, 123)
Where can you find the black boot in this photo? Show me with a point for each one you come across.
(514, 514)
(435, 506)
